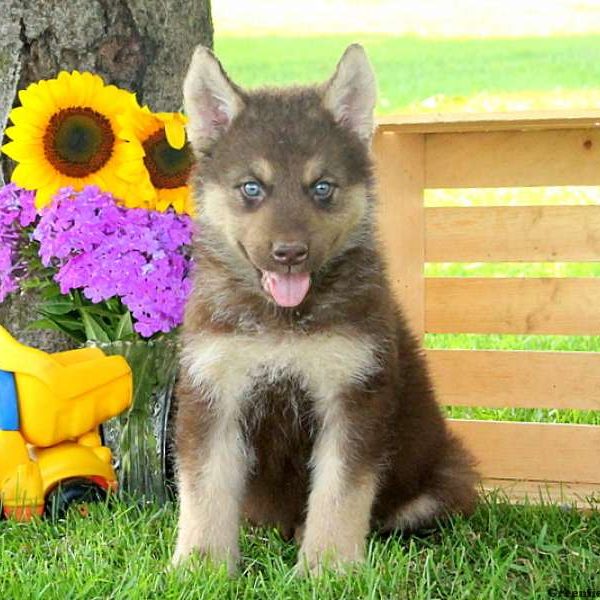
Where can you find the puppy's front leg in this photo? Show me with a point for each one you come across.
(339, 506)
(212, 470)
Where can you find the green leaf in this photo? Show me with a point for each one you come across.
(124, 328)
(112, 304)
(50, 290)
(93, 330)
(96, 309)
(44, 324)
(65, 322)
(58, 307)
(71, 328)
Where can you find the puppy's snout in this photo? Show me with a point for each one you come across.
(289, 253)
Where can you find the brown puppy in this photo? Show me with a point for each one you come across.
(304, 401)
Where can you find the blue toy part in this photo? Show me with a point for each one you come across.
(9, 411)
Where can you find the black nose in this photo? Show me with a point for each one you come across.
(289, 253)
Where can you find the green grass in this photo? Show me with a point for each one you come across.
(412, 69)
(122, 552)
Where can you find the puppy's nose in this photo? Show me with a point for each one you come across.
(289, 253)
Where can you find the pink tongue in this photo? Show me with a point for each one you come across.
(287, 289)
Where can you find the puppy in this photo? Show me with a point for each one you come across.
(304, 401)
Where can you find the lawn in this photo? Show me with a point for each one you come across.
(411, 70)
(122, 551)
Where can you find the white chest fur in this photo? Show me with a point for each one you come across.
(226, 364)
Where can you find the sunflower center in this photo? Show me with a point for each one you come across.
(167, 166)
(78, 141)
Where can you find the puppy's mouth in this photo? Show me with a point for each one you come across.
(286, 289)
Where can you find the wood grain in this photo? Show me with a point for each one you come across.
(513, 158)
(401, 218)
(512, 234)
(516, 379)
(569, 306)
(533, 451)
(503, 121)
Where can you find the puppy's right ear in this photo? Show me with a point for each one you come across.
(211, 101)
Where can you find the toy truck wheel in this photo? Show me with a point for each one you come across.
(76, 492)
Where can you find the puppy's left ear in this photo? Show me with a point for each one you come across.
(210, 99)
(352, 92)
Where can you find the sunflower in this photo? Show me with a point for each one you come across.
(168, 157)
(65, 133)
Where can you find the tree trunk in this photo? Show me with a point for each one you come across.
(140, 45)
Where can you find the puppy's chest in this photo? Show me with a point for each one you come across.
(237, 366)
(283, 405)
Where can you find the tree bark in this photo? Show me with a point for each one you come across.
(140, 45)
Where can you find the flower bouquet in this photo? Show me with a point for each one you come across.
(97, 221)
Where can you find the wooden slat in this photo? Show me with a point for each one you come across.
(569, 306)
(512, 233)
(400, 170)
(463, 122)
(583, 496)
(516, 379)
(513, 158)
(533, 451)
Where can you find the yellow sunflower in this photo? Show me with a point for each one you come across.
(168, 157)
(65, 133)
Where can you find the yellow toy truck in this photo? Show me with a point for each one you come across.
(51, 407)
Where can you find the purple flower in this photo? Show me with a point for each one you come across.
(17, 211)
(108, 250)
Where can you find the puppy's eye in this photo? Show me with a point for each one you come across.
(322, 191)
(252, 191)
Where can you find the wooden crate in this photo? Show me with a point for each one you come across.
(554, 462)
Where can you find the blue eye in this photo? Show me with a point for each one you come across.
(323, 190)
(252, 190)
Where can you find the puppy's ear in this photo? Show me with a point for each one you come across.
(352, 92)
(211, 101)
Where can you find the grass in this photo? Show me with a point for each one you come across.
(411, 70)
(122, 551)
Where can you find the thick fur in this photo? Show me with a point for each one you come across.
(319, 419)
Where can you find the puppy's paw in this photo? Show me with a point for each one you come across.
(313, 562)
(216, 557)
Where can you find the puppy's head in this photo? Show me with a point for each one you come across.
(284, 173)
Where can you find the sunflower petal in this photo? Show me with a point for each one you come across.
(45, 176)
(10, 149)
(138, 124)
(24, 175)
(59, 93)
(179, 198)
(78, 91)
(131, 171)
(97, 179)
(20, 151)
(127, 151)
(23, 116)
(35, 100)
(43, 196)
(24, 133)
(175, 133)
